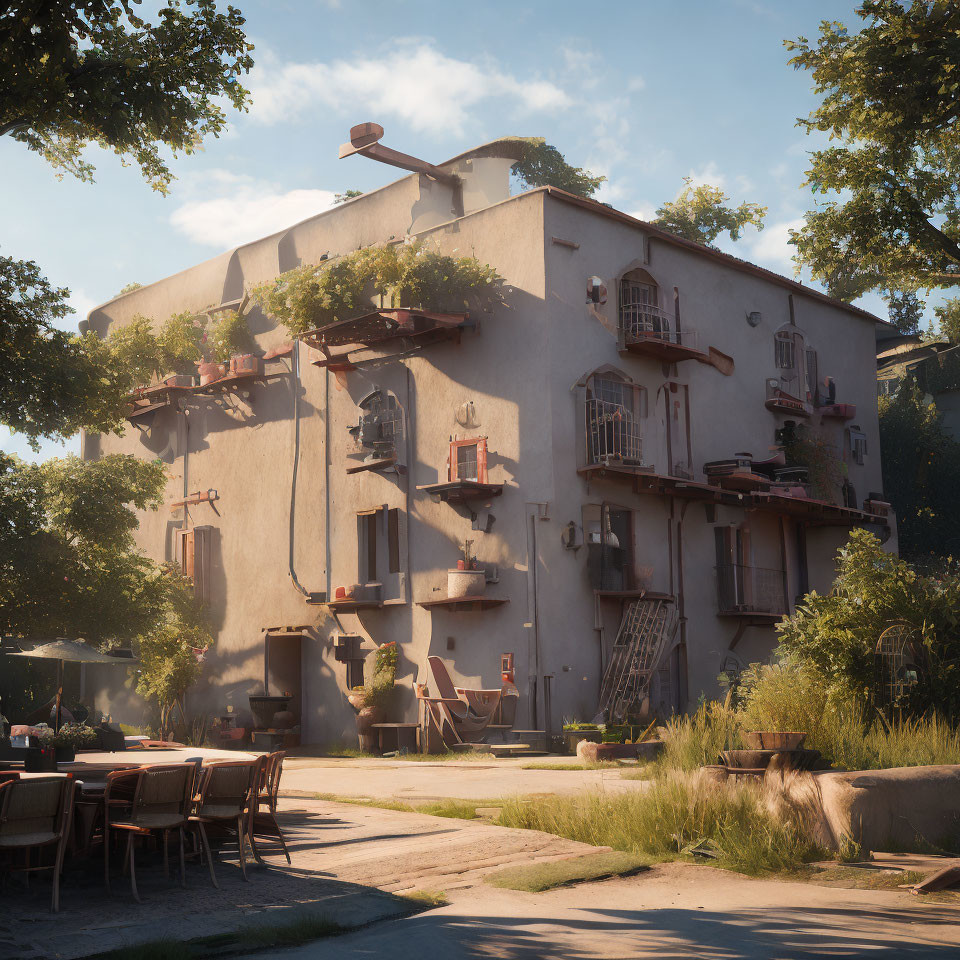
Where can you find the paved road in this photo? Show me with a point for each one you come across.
(467, 780)
(673, 911)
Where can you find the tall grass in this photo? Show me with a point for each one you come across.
(679, 810)
(692, 741)
(789, 696)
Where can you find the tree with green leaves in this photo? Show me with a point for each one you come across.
(701, 213)
(921, 464)
(68, 562)
(890, 220)
(75, 72)
(94, 72)
(542, 165)
(836, 634)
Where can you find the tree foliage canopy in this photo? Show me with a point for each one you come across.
(920, 469)
(68, 563)
(701, 214)
(892, 217)
(74, 72)
(837, 634)
(543, 165)
(53, 382)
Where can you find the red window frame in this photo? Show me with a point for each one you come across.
(453, 457)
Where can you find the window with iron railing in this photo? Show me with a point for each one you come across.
(380, 427)
(614, 411)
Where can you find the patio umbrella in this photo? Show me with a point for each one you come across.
(74, 651)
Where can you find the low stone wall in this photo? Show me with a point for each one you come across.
(902, 808)
(590, 752)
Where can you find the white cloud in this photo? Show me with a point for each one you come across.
(412, 80)
(770, 247)
(241, 208)
(710, 174)
(644, 212)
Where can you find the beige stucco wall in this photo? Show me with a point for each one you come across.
(519, 368)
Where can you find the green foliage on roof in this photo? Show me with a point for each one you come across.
(408, 274)
(543, 165)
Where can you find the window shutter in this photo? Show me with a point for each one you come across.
(482, 460)
(202, 548)
(187, 552)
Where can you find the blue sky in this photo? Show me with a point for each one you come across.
(644, 92)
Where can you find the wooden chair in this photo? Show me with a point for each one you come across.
(35, 813)
(226, 795)
(459, 716)
(263, 823)
(161, 803)
(118, 797)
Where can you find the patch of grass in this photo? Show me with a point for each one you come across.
(644, 772)
(292, 933)
(430, 898)
(544, 876)
(675, 814)
(861, 878)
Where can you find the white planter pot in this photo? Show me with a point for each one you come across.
(465, 583)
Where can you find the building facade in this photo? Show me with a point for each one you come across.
(561, 439)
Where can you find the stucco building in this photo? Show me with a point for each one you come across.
(565, 434)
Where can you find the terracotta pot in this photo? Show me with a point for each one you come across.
(369, 738)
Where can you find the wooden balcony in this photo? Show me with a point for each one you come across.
(648, 331)
(460, 491)
(381, 328)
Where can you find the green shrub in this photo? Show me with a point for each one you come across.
(837, 634)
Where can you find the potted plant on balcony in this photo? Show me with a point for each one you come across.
(467, 580)
(372, 699)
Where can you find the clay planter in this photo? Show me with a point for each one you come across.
(773, 740)
(284, 720)
(466, 583)
(366, 718)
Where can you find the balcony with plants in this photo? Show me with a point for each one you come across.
(399, 297)
(186, 355)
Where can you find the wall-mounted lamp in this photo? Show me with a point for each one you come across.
(754, 318)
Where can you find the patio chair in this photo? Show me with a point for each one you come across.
(226, 796)
(161, 803)
(263, 823)
(35, 813)
(459, 716)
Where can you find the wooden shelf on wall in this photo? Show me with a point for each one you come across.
(458, 491)
(457, 604)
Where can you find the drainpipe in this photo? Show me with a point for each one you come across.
(681, 613)
(533, 657)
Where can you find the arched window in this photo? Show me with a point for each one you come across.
(640, 310)
(615, 409)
